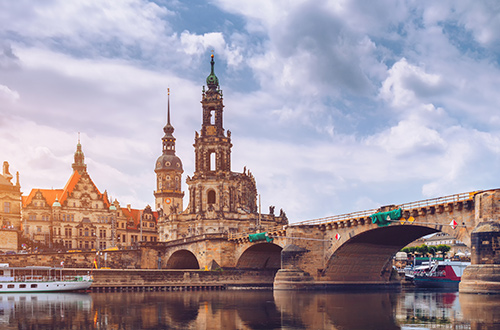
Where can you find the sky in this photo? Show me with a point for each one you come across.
(334, 106)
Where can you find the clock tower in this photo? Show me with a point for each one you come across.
(168, 169)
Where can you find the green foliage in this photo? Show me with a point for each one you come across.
(426, 249)
(443, 248)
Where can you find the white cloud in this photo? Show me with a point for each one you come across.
(334, 106)
(8, 95)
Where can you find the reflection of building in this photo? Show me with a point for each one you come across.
(220, 201)
(79, 216)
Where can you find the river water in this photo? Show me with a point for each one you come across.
(256, 309)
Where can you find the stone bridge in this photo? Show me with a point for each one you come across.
(350, 249)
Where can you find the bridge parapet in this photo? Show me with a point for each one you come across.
(421, 208)
(274, 232)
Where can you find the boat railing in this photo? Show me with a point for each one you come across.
(42, 278)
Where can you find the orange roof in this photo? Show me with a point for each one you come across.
(50, 195)
(133, 214)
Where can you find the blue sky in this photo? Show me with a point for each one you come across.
(335, 106)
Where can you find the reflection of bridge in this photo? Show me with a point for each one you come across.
(352, 248)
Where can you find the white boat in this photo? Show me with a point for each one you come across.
(40, 279)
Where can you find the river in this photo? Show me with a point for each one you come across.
(255, 309)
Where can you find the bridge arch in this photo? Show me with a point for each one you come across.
(182, 259)
(367, 256)
(260, 256)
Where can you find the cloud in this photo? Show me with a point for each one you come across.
(81, 25)
(335, 106)
(8, 95)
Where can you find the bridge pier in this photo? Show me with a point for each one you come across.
(290, 276)
(483, 275)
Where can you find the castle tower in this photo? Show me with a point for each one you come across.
(168, 169)
(79, 164)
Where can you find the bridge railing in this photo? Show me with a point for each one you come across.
(406, 206)
(255, 231)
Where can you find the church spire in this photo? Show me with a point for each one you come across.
(79, 164)
(168, 171)
(168, 139)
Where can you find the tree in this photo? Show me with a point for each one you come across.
(423, 249)
(443, 248)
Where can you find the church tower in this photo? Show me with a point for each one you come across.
(220, 201)
(168, 194)
(213, 187)
(212, 146)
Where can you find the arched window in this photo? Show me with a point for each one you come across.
(211, 197)
(212, 117)
(212, 161)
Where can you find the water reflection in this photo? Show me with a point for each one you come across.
(249, 310)
(49, 310)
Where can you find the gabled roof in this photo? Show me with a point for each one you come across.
(50, 195)
(133, 214)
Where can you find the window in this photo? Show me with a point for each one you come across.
(10, 286)
(34, 286)
(6, 207)
(212, 161)
(38, 229)
(211, 197)
(22, 286)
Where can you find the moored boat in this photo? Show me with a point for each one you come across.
(40, 279)
(441, 274)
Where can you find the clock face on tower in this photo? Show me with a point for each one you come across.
(168, 201)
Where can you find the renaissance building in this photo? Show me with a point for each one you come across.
(220, 201)
(80, 217)
(10, 200)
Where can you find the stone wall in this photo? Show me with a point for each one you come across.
(125, 259)
(113, 278)
(9, 240)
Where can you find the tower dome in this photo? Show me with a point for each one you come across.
(212, 80)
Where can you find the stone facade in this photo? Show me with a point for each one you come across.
(80, 217)
(220, 200)
(10, 200)
(9, 240)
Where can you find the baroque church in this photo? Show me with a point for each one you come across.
(220, 201)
